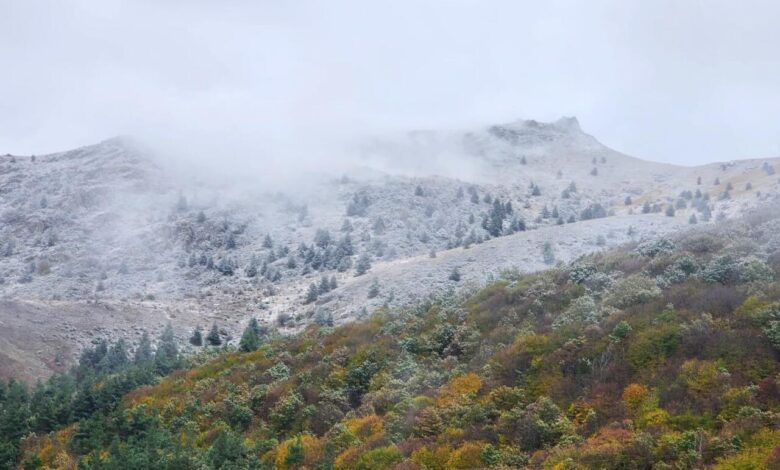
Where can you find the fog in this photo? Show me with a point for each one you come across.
(276, 85)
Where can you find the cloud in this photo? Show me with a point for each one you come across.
(286, 83)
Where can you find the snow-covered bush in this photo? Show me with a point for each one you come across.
(661, 246)
(633, 290)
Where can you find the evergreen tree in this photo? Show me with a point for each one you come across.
(167, 353)
(197, 337)
(143, 353)
(333, 283)
(324, 285)
(363, 264)
(418, 191)
(548, 255)
(213, 338)
(373, 289)
(455, 275)
(311, 294)
(250, 339)
(268, 242)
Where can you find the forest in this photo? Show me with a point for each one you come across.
(656, 355)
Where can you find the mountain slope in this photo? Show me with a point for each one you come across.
(111, 227)
(664, 354)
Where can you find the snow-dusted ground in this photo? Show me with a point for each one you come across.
(101, 240)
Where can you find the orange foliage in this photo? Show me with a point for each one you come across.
(635, 396)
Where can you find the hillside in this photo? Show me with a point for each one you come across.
(660, 354)
(110, 240)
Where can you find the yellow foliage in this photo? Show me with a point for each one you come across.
(699, 376)
(346, 459)
(458, 388)
(312, 451)
(365, 426)
(432, 459)
(452, 435)
(466, 456)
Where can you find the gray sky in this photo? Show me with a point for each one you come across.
(678, 81)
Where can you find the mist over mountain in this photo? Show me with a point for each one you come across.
(119, 225)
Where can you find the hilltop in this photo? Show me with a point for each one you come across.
(106, 240)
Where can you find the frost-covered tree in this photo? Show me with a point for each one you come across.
(548, 254)
(311, 294)
(454, 275)
(268, 242)
(363, 264)
(373, 289)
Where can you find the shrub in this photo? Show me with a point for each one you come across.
(633, 290)
(661, 246)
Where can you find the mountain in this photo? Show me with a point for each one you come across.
(109, 241)
(660, 354)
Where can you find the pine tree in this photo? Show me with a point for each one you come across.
(324, 285)
(333, 283)
(197, 337)
(363, 264)
(418, 191)
(268, 242)
(311, 294)
(455, 275)
(628, 201)
(143, 353)
(167, 354)
(213, 338)
(373, 289)
(250, 339)
(548, 255)
(594, 171)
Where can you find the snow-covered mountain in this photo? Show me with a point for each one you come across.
(105, 240)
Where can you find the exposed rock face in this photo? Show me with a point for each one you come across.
(100, 241)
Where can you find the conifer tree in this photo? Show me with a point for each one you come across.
(250, 339)
(363, 264)
(143, 353)
(311, 294)
(197, 337)
(213, 338)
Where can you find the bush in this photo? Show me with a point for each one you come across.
(633, 290)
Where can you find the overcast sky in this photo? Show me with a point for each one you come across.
(679, 81)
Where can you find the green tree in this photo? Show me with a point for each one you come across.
(250, 339)
(213, 338)
(197, 337)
